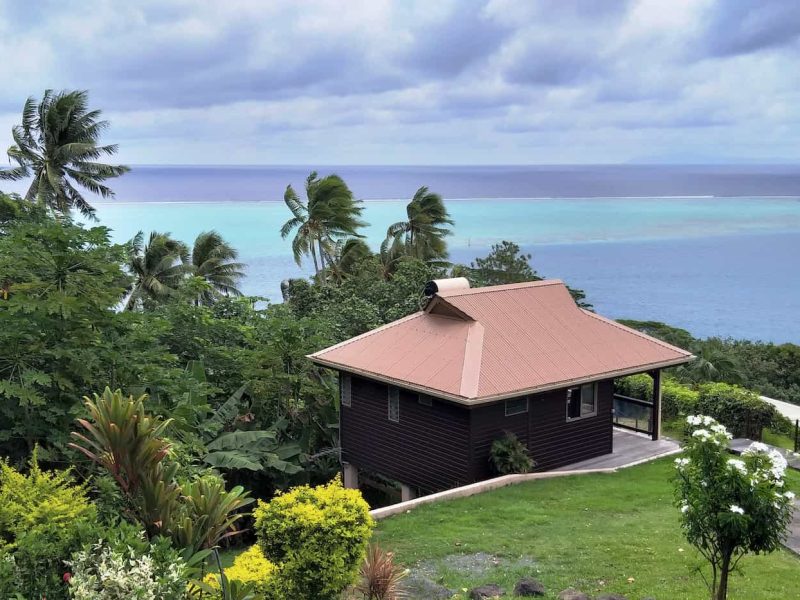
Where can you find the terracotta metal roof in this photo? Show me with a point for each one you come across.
(482, 344)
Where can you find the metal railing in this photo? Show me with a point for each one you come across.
(633, 414)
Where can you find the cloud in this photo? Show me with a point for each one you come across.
(414, 81)
(746, 26)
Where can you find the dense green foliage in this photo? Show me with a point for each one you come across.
(738, 409)
(769, 369)
(508, 455)
(729, 506)
(316, 537)
(44, 517)
(57, 147)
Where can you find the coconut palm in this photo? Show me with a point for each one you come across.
(57, 145)
(158, 268)
(327, 215)
(345, 258)
(214, 260)
(423, 234)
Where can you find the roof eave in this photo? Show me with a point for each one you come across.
(478, 400)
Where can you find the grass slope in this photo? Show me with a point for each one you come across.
(592, 532)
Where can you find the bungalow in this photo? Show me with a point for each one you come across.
(424, 397)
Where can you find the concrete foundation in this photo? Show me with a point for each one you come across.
(406, 493)
(350, 476)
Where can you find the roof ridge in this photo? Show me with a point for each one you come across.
(618, 325)
(499, 288)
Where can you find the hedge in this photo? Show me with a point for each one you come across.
(740, 410)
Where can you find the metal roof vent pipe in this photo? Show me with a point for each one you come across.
(445, 285)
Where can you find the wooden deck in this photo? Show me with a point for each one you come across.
(629, 448)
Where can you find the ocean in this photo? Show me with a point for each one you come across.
(712, 249)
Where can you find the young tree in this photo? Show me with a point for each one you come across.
(57, 145)
(729, 506)
(214, 260)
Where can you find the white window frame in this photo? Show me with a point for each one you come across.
(346, 390)
(588, 415)
(393, 398)
(521, 411)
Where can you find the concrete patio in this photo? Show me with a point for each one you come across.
(629, 448)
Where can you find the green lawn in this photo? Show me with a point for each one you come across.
(592, 532)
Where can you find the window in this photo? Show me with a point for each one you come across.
(517, 406)
(582, 401)
(394, 404)
(345, 391)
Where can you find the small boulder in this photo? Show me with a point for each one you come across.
(529, 587)
(419, 587)
(572, 594)
(612, 597)
(486, 592)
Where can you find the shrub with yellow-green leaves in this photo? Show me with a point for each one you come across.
(316, 537)
(44, 517)
(251, 568)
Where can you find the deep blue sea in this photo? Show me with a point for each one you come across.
(714, 249)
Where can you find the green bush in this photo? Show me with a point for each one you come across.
(250, 568)
(740, 410)
(44, 517)
(635, 386)
(677, 399)
(508, 455)
(316, 537)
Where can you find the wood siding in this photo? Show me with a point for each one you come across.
(446, 445)
(555, 442)
(428, 449)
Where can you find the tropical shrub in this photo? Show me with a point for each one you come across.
(316, 537)
(508, 455)
(677, 400)
(380, 577)
(129, 443)
(740, 410)
(44, 517)
(635, 386)
(102, 572)
(729, 506)
(253, 569)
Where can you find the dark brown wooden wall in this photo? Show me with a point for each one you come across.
(447, 445)
(427, 449)
(552, 440)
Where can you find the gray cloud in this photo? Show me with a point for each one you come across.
(745, 26)
(509, 80)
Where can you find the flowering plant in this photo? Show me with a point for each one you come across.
(729, 506)
(106, 573)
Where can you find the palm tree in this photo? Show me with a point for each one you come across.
(158, 268)
(345, 258)
(214, 260)
(423, 234)
(328, 215)
(712, 363)
(57, 145)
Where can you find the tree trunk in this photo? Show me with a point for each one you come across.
(314, 258)
(722, 590)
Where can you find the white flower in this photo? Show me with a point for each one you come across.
(738, 465)
(737, 509)
(789, 496)
(682, 462)
(693, 420)
(702, 434)
(756, 448)
(707, 420)
(684, 508)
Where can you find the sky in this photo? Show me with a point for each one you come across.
(418, 82)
